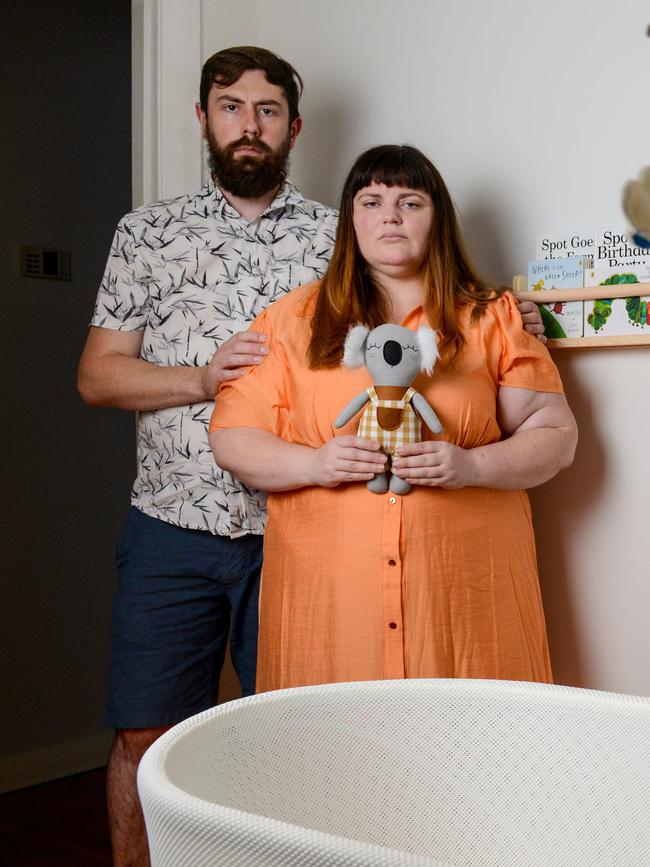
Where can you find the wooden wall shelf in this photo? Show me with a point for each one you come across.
(621, 340)
(550, 296)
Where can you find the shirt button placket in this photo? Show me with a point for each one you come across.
(393, 627)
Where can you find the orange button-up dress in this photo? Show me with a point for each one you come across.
(364, 586)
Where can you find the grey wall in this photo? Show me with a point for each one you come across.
(65, 178)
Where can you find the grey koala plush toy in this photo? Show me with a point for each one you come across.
(394, 356)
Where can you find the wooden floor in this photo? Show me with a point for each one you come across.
(58, 824)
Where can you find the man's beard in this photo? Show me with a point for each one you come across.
(248, 177)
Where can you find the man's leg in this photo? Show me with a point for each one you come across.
(169, 633)
(126, 822)
(243, 595)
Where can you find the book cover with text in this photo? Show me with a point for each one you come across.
(560, 245)
(615, 249)
(562, 318)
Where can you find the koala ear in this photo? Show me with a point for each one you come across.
(355, 346)
(428, 346)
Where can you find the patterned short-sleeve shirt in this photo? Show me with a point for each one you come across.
(189, 273)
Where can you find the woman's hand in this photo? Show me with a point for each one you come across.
(437, 464)
(346, 459)
(539, 439)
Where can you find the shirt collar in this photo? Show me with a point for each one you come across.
(288, 198)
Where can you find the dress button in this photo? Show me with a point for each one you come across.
(392, 563)
(393, 625)
(392, 500)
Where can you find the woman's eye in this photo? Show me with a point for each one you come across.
(412, 204)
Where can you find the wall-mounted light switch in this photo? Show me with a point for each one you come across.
(40, 262)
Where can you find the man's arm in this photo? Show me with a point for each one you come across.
(111, 372)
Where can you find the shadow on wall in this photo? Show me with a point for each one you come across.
(319, 162)
(486, 236)
(558, 508)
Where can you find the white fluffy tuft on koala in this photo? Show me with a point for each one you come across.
(354, 347)
(428, 344)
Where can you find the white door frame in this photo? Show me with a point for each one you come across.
(166, 67)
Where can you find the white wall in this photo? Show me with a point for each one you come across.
(536, 114)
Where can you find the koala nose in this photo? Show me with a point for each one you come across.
(392, 352)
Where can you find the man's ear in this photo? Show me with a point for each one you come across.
(201, 116)
(428, 346)
(354, 349)
(294, 131)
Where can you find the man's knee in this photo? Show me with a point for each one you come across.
(131, 744)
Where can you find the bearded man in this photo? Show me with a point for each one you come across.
(183, 281)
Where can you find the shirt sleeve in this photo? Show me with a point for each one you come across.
(260, 399)
(123, 302)
(524, 361)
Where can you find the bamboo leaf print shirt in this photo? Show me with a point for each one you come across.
(189, 273)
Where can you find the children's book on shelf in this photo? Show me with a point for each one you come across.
(563, 318)
(615, 249)
(617, 316)
(560, 245)
(610, 248)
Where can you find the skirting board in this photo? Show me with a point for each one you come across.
(55, 761)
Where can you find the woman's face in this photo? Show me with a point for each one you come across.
(393, 228)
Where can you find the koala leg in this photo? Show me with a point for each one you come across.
(399, 486)
(379, 484)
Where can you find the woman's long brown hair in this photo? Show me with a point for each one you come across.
(348, 295)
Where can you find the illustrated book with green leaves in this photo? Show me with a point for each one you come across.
(617, 316)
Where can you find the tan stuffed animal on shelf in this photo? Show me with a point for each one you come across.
(636, 204)
(394, 356)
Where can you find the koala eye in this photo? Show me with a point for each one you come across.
(370, 346)
(413, 349)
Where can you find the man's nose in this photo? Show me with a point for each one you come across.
(251, 121)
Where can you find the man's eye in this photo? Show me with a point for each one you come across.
(267, 112)
(231, 107)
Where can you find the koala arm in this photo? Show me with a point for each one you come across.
(351, 409)
(426, 413)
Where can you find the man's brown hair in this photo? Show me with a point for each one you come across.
(226, 67)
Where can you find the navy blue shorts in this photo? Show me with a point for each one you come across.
(180, 593)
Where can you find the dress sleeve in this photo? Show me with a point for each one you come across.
(524, 362)
(123, 301)
(260, 398)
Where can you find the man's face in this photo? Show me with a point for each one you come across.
(248, 134)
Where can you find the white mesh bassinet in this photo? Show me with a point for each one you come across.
(410, 772)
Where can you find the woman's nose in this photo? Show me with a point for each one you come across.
(392, 215)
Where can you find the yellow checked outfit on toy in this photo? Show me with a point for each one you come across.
(391, 422)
